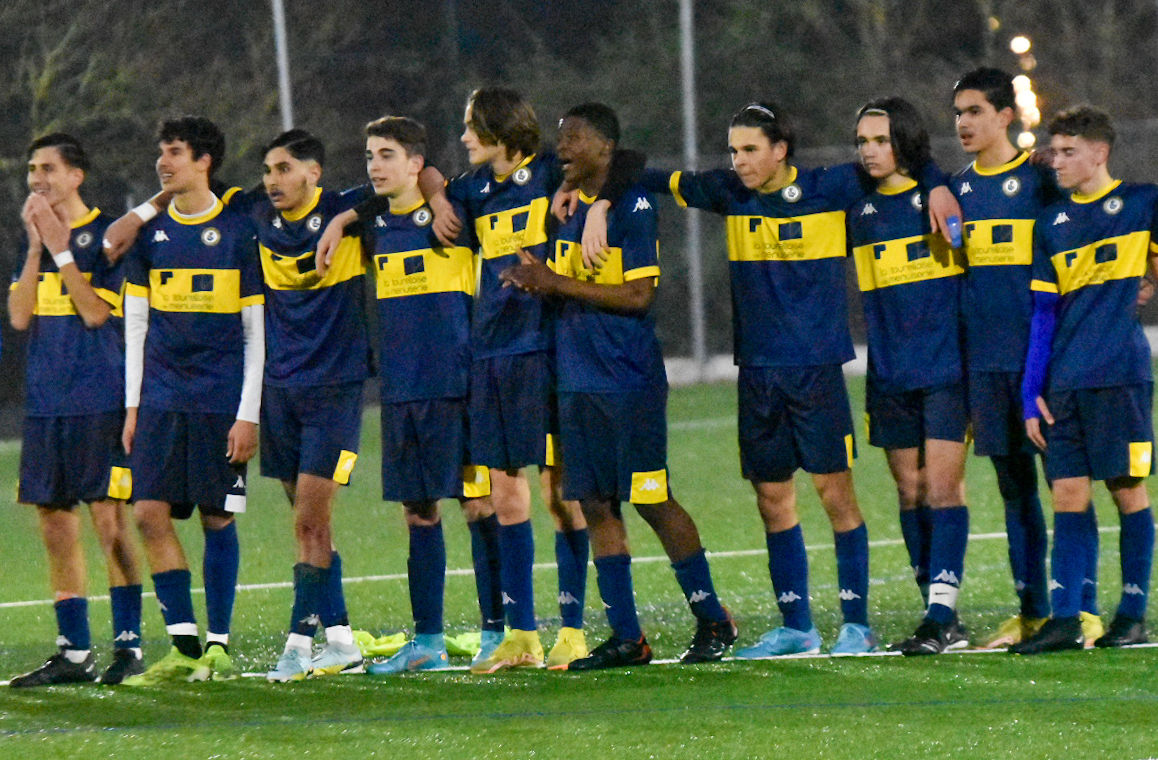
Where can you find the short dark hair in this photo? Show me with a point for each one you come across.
(1085, 121)
(69, 148)
(907, 131)
(300, 144)
(407, 132)
(996, 85)
(202, 136)
(601, 117)
(768, 117)
(500, 115)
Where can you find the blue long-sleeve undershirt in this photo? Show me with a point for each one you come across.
(1037, 357)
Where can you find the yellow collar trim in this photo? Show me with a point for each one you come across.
(313, 204)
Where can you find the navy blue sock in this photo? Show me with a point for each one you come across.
(1067, 563)
(426, 569)
(176, 600)
(1136, 544)
(126, 604)
(517, 547)
(1025, 528)
(219, 569)
(695, 579)
(852, 572)
(332, 609)
(484, 552)
(72, 622)
(613, 575)
(915, 531)
(1090, 555)
(788, 566)
(572, 566)
(309, 580)
(950, 535)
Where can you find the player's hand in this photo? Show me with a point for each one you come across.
(1145, 292)
(129, 431)
(120, 235)
(942, 205)
(242, 442)
(531, 275)
(1033, 429)
(564, 204)
(1042, 156)
(330, 240)
(595, 235)
(447, 226)
(35, 244)
(52, 230)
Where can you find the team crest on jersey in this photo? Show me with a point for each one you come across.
(314, 223)
(210, 236)
(521, 176)
(791, 193)
(1112, 205)
(421, 217)
(916, 201)
(84, 240)
(1011, 186)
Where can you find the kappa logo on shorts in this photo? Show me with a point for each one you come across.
(314, 223)
(239, 483)
(649, 485)
(792, 193)
(788, 597)
(210, 236)
(1011, 186)
(84, 240)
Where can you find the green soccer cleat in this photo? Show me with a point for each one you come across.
(464, 644)
(219, 664)
(172, 668)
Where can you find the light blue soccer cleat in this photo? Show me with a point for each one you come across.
(488, 643)
(412, 658)
(338, 658)
(293, 665)
(855, 638)
(781, 641)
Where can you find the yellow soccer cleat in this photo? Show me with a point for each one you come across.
(1092, 628)
(520, 649)
(570, 646)
(1014, 631)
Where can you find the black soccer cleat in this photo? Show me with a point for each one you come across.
(1056, 635)
(125, 663)
(58, 669)
(712, 639)
(956, 635)
(1124, 631)
(615, 653)
(930, 637)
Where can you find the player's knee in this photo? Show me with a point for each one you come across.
(421, 512)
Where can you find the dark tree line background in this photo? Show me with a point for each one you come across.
(107, 72)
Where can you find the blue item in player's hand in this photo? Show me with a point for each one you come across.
(954, 225)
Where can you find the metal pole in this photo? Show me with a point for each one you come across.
(283, 76)
(691, 161)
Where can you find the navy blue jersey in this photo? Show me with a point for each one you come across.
(424, 307)
(507, 213)
(71, 369)
(198, 273)
(910, 282)
(1000, 205)
(598, 350)
(786, 255)
(1093, 252)
(315, 327)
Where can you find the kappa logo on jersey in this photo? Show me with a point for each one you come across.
(314, 223)
(1112, 205)
(947, 576)
(521, 176)
(965, 188)
(566, 597)
(641, 204)
(1011, 186)
(699, 595)
(791, 193)
(84, 240)
(1062, 218)
(1133, 589)
(160, 237)
(379, 221)
(485, 188)
(422, 217)
(847, 595)
(916, 201)
(210, 236)
(126, 636)
(868, 209)
(788, 597)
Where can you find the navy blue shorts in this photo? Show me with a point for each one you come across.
(65, 460)
(995, 414)
(793, 417)
(1100, 433)
(907, 419)
(509, 410)
(179, 458)
(615, 445)
(312, 430)
(424, 449)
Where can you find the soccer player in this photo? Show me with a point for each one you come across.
(613, 396)
(1001, 193)
(195, 349)
(915, 394)
(1087, 371)
(67, 297)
